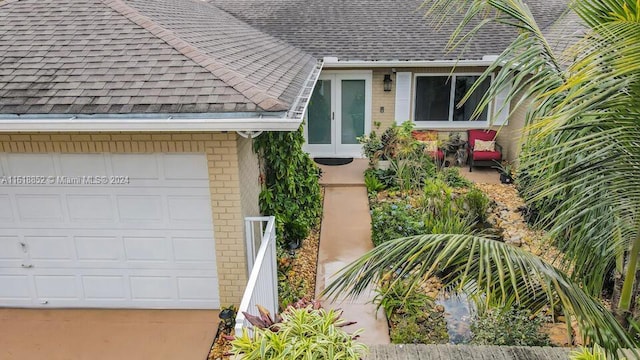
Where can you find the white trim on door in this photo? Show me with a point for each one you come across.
(336, 149)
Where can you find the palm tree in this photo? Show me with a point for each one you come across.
(581, 166)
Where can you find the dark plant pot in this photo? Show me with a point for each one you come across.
(506, 179)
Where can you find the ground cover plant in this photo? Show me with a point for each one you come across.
(303, 331)
(512, 326)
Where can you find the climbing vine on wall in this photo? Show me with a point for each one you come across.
(291, 191)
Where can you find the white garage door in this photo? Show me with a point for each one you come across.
(142, 240)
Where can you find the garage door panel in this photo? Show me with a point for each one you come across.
(11, 253)
(81, 165)
(105, 287)
(136, 166)
(193, 249)
(30, 164)
(196, 287)
(90, 208)
(145, 244)
(152, 287)
(50, 248)
(39, 208)
(57, 287)
(146, 249)
(15, 288)
(140, 208)
(189, 209)
(6, 209)
(100, 248)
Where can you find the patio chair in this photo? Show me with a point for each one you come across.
(430, 139)
(484, 155)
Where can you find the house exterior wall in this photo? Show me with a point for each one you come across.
(383, 107)
(223, 162)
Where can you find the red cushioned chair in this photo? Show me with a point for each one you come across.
(427, 135)
(482, 158)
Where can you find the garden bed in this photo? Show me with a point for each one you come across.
(296, 280)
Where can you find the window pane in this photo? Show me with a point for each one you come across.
(463, 84)
(432, 98)
(319, 115)
(353, 93)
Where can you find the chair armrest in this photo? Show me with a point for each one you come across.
(499, 148)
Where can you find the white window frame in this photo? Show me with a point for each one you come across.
(449, 123)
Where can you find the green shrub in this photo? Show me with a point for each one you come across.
(414, 329)
(477, 204)
(306, 333)
(516, 327)
(411, 314)
(291, 191)
(433, 215)
(392, 220)
(399, 298)
(372, 182)
(451, 176)
(413, 169)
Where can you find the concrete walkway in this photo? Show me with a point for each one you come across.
(345, 236)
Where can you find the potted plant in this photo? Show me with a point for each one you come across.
(506, 172)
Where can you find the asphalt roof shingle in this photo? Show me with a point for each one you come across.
(141, 56)
(375, 29)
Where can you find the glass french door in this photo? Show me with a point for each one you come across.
(338, 113)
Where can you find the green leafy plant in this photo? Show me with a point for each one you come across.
(451, 176)
(422, 328)
(299, 333)
(516, 327)
(595, 353)
(392, 220)
(411, 313)
(399, 297)
(477, 204)
(291, 191)
(372, 182)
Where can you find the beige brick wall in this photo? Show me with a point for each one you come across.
(224, 177)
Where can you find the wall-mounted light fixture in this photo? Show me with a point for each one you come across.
(387, 82)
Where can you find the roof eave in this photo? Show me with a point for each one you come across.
(146, 123)
(334, 62)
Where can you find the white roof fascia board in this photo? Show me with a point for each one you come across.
(332, 62)
(148, 124)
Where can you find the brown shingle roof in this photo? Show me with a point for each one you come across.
(140, 56)
(376, 29)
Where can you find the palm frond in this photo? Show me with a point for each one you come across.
(490, 270)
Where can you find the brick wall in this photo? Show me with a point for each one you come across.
(224, 177)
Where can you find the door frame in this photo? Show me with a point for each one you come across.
(335, 149)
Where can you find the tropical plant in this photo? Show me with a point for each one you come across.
(596, 353)
(398, 297)
(372, 182)
(299, 333)
(582, 128)
(451, 176)
(512, 326)
(476, 203)
(291, 191)
(489, 271)
(581, 148)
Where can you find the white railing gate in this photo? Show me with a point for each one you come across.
(262, 287)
